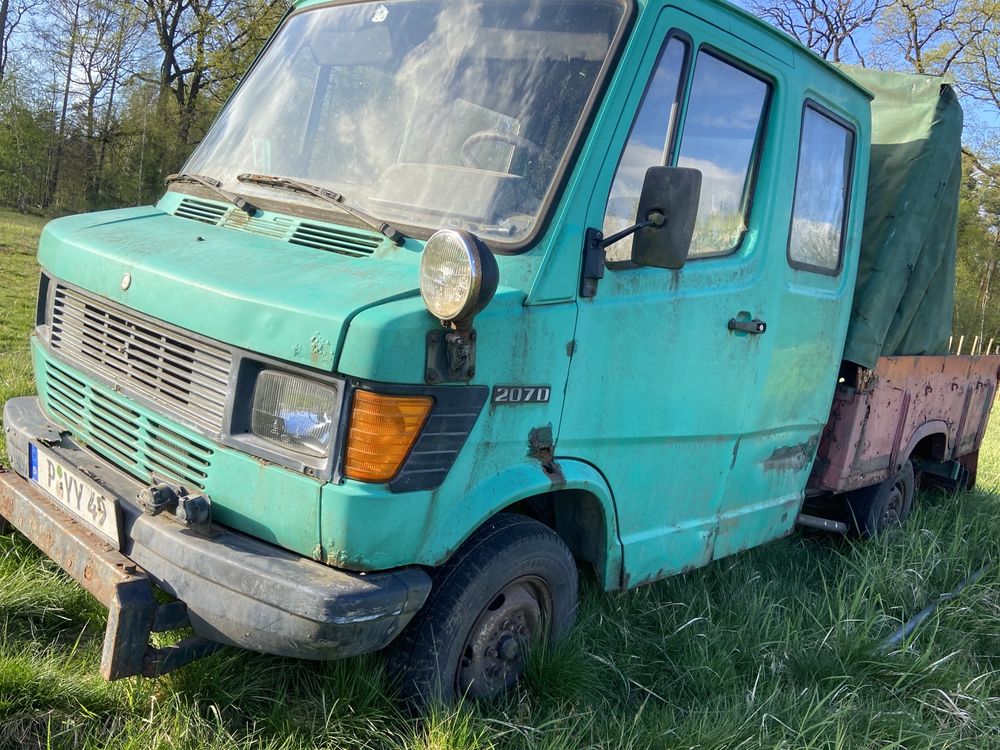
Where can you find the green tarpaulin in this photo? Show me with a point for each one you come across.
(906, 278)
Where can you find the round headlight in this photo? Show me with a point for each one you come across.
(458, 275)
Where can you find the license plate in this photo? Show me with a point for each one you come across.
(79, 495)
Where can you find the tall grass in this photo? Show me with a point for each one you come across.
(776, 647)
(18, 288)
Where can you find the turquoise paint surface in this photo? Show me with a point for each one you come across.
(251, 291)
(695, 441)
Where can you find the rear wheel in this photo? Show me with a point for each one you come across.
(882, 506)
(512, 585)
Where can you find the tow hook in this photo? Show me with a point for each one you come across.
(193, 511)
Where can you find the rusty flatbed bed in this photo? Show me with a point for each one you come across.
(932, 408)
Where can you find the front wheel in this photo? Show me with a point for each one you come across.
(513, 584)
(882, 506)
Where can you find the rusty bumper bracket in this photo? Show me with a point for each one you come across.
(117, 582)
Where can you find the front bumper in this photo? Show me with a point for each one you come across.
(237, 589)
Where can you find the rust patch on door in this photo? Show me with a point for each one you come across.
(792, 457)
(541, 447)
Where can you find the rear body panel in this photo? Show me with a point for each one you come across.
(875, 426)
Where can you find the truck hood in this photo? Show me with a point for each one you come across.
(261, 294)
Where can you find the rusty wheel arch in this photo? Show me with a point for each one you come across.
(930, 441)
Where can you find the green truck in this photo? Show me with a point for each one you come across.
(455, 295)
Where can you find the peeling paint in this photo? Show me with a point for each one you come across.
(792, 457)
(320, 349)
(541, 447)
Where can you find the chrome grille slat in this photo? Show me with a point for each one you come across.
(95, 348)
(177, 345)
(187, 377)
(81, 311)
(143, 447)
(170, 384)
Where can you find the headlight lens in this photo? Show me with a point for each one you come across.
(294, 413)
(458, 275)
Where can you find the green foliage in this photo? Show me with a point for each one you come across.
(106, 99)
(977, 312)
(25, 141)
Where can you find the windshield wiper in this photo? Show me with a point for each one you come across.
(215, 186)
(297, 186)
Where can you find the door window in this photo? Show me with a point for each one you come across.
(722, 137)
(822, 186)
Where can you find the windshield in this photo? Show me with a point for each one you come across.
(429, 113)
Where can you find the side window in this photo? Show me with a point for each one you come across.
(723, 135)
(649, 144)
(822, 187)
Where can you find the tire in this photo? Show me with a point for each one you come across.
(511, 583)
(874, 509)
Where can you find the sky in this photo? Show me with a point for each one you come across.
(982, 120)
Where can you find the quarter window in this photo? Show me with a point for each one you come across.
(822, 186)
(722, 137)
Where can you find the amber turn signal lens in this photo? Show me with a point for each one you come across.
(383, 429)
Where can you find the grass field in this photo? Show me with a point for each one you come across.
(776, 647)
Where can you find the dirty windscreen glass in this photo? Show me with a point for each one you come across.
(428, 113)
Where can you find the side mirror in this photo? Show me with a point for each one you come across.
(669, 206)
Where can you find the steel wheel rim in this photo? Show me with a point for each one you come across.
(494, 654)
(893, 505)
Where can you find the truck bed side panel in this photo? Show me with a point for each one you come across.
(875, 426)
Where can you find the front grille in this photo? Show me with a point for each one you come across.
(102, 420)
(189, 378)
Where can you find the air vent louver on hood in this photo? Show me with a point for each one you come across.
(277, 227)
(210, 213)
(337, 240)
(356, 243)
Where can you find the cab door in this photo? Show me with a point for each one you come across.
(662, 395)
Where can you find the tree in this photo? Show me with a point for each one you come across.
(67, 22)
(931, 36)
(978, 271)
(25, 141)
(106, 47)
(199, 41)
(828, 27)
(12, 12)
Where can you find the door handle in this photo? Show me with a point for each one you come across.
(755, 326)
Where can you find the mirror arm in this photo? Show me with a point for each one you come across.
(595, 244)
(655, 220)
